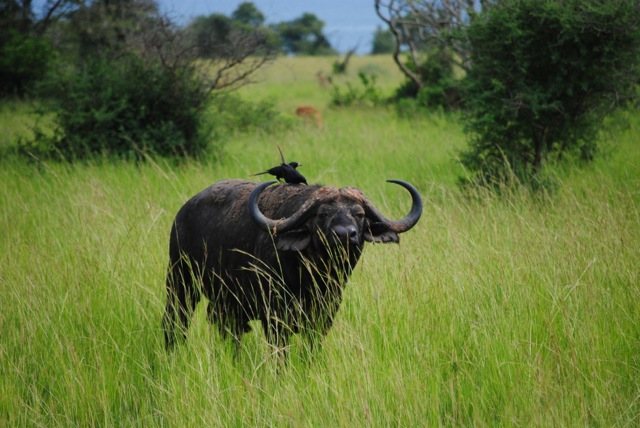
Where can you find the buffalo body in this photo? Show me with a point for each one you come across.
(226, 245)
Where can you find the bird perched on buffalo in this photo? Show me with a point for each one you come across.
(286, 171)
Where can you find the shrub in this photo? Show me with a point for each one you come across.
(544, 75)
(367, 93)
(231, 114)
(123, 108)
(129, 85)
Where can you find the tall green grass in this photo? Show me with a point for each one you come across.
(513, 310)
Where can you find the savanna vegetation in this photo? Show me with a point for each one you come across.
(535, 78)
(123, 80)
(510, 308)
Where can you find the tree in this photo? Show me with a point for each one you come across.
(340, 67)
(217, 36)
(420, 26)
(441, 88)
(23, 61)
(383, 42)
(107, 26)
(303, 36)
(210, 35)
(129, 83)
(247, 13)
(24, 54)
(543, 75)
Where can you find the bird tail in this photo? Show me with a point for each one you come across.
(259, 173)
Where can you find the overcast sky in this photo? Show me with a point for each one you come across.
(347, 22)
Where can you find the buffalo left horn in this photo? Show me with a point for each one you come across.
(281, 225)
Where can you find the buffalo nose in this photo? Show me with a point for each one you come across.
(346, 234)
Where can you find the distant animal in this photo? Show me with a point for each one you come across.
(281, 255)
(311, 115)
(323, 80)
(285, 171)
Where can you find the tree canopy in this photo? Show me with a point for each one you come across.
(383, 42)
(247, 13)
(303, 36)
(125, 79)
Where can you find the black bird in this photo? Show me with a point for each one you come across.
(291, 174)
(286, 171)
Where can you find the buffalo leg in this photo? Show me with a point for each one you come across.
(182, 298)
(229, 326)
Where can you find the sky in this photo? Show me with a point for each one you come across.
(348, 23)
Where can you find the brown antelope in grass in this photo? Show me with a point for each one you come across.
(324, 81)
(310, 114)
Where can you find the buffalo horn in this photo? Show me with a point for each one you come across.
(284, 225)
(410, 219)
(281, 225)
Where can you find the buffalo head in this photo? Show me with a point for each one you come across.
(344, 216)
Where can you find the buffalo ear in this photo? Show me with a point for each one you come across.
(380, 232)
(294, 240)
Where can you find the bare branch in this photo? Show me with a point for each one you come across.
(420, 23)
(393, 27)
(54, 10)
(240, 55)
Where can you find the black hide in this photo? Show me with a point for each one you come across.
(292, 281)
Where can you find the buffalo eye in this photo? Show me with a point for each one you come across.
(358, 214)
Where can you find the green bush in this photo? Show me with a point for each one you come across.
(544, 75)
(23, 61)
(230, 115)
(125, 107)
(366, 94)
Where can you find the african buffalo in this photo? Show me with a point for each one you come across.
(288, 273)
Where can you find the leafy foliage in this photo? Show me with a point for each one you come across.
(440, 87)
(127, 84)
(366, 94)
(123, 108)
(247, 13)
(544, 74)
(218, 36)
(24, 54)
(303, 36)
(128, 109)
(383, 42)
(23, 62)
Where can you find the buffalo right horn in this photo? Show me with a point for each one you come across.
(410, 219)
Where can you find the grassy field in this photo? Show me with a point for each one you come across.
(519, 310)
